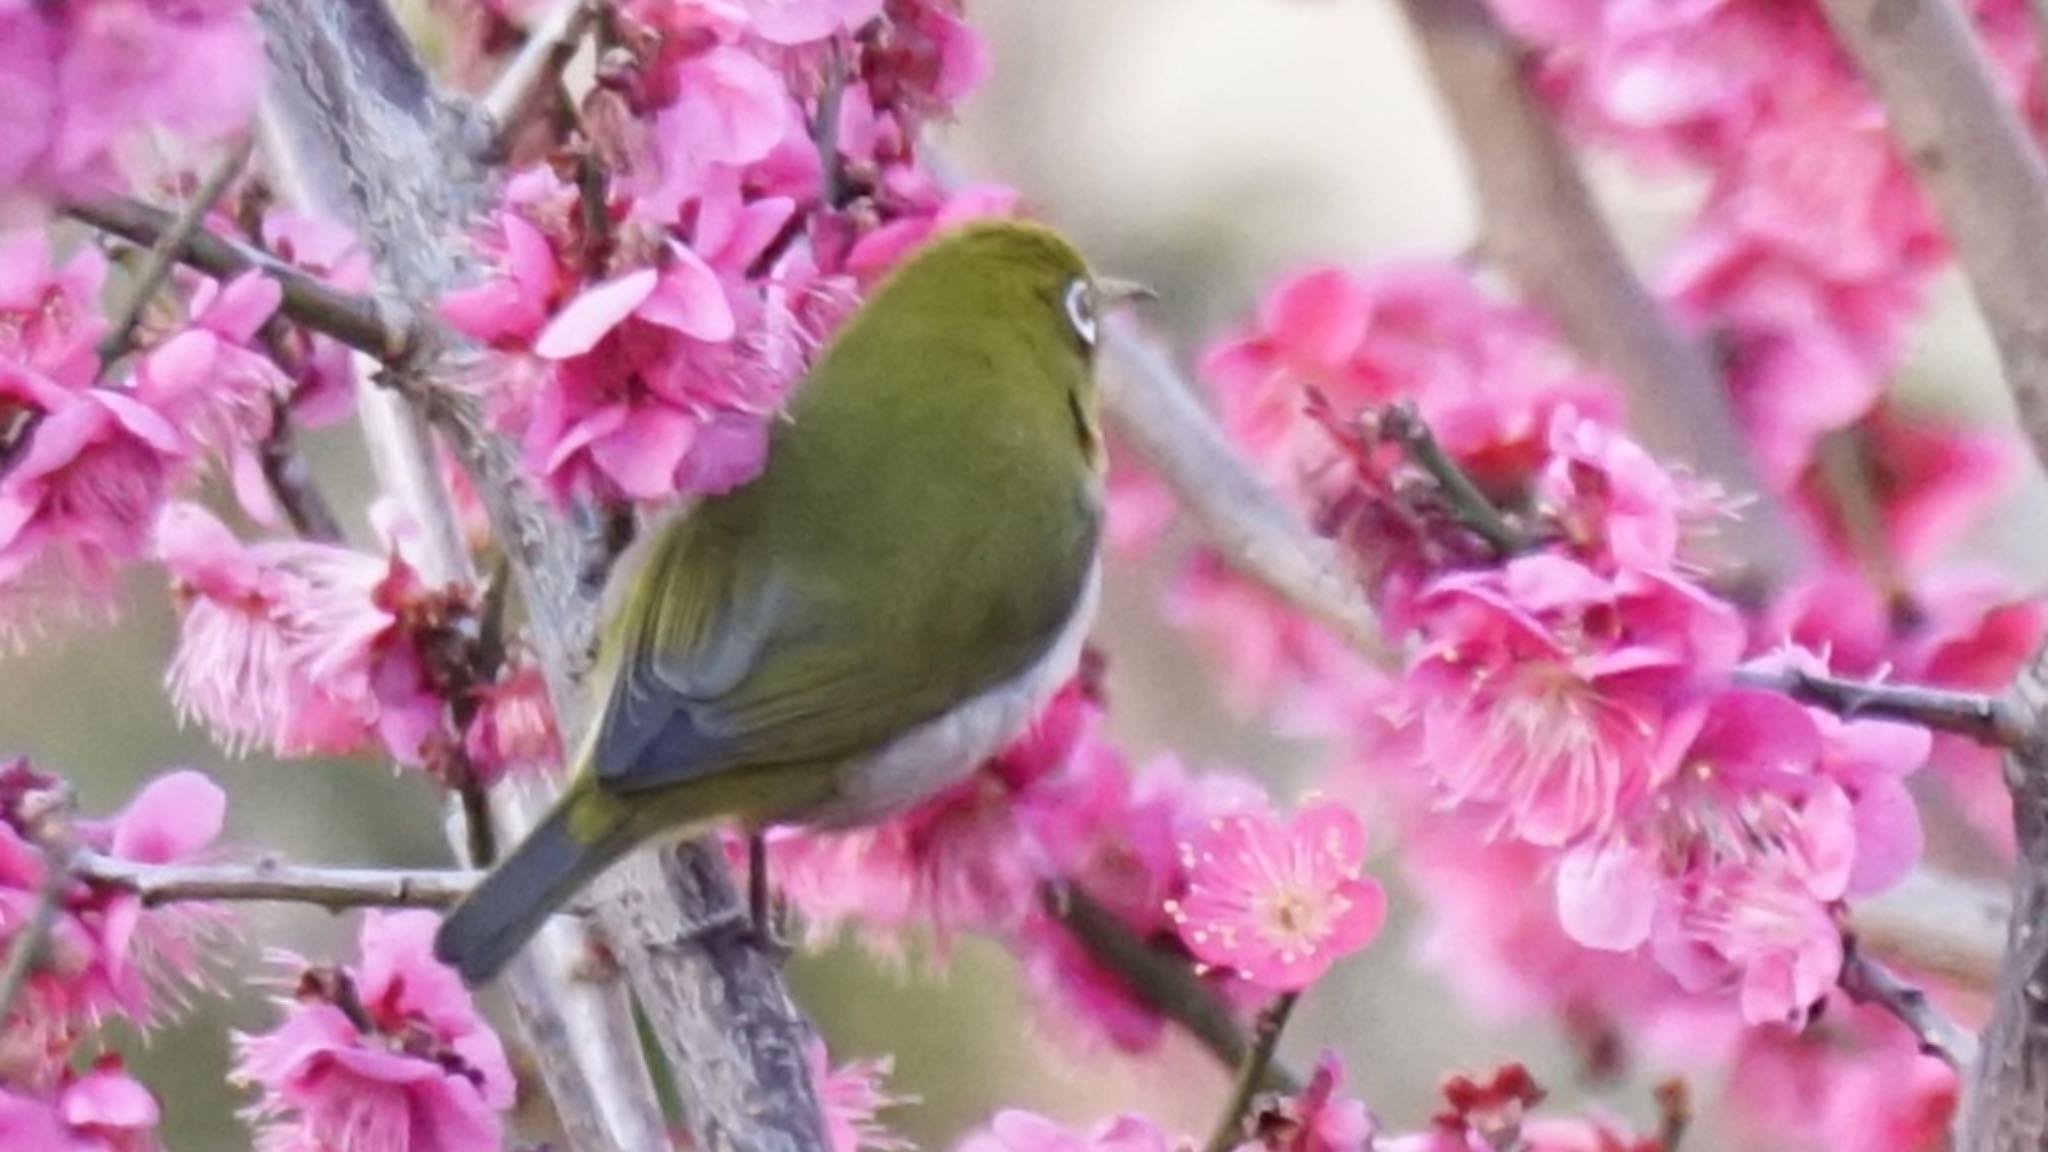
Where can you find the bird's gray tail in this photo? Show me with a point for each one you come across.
(496, 920)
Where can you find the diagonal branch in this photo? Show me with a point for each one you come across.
(1866, 981)
(357, 321)
(535, 69)
(1473, 509)
(1166, 983)
(1251, 1074)
(1246, 522)
(1538, 219)
(163, 253)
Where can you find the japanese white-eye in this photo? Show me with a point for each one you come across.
(892, 600)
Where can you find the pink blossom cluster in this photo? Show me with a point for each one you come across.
(100, 1110)
(1568, 689)
(1479, 1114)
(85, 76)
(657, 288)
(388, 1053)
(1200, 863)
(1807, 265)
(306, 649)
(88, 458)
(104, 954)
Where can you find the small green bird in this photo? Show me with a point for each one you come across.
(892, 600)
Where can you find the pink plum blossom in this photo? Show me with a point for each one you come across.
(1555, 699)
(851, 1096)
(1736, 875)
(513, 731)
(108, 956)
(306, 648)
(1323, 1117)
(322, 368)
(1856, 1081)
(388, 1054)
(209, 381)
(1019, 1131)
(1931, 481)
(1279, 902)
(100, 1110)
(801, 21)
(82, 469)
(87, 76)
(1485, 376)
(50, 318)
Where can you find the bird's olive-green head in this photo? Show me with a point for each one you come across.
(894, 597)
(1021, 284)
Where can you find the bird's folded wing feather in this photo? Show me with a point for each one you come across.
(732, 670)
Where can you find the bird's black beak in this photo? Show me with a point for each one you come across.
(1111, 292)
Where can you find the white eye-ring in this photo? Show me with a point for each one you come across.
(1080, 304)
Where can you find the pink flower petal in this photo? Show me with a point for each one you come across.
(690, 298)
(174, 816)
(594, 312)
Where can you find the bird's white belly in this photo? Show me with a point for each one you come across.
(947, 750)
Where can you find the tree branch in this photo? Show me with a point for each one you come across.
(534, 69)
(1251, 1074)
(163, 253)
(304, 505)
(1248, 525)
(1867, 982)
(357, 321)
(49, 828)
(271, 880)
(1989, 184)
(1471, 506)
(1539, 221)
(1165, 983)
(1987, 719)
(361, 120)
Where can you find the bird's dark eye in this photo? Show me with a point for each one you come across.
(1080, 304)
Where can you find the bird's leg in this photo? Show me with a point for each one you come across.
(768, 914)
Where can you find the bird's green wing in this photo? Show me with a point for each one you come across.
(736, 670)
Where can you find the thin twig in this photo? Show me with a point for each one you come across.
(1166, 983)
(1252, 1072)
(361, 322)
(825, 129)
(535, 70)
(157, 261)
(1472, 507)
(1674, 1113)
(50, 829)
(1866, 981)
(291, 482)
(28, 943)
(1848, 475)
(1246, 522)
(271, 880)
(1989, 720)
